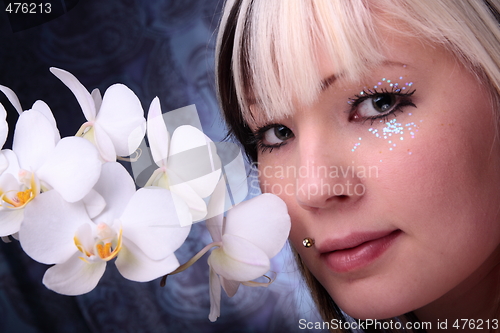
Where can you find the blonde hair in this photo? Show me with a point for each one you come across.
(266, 55)
(273, 51)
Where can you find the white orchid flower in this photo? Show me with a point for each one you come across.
(141, 229)
(41, 161)
(188, 164)
(4, 127)
(16, 191)
(251, 234)
(70, 165)
(39, 106)
(4, 130)
(115, 123)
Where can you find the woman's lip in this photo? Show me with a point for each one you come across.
(356, 250)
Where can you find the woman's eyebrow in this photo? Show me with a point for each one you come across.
(328, 81)
(325, 83)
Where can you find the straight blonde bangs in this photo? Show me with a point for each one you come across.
(275, 58)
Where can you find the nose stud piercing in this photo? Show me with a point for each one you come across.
(308, 242)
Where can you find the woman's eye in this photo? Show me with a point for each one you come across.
(376, 105)
(277, 135)
(272, 137)
(379, 105)
(383, 103)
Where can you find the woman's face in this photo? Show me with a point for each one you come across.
(399, 188)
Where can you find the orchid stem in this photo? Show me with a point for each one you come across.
(132, 158)
(191, 261)
(259, 284)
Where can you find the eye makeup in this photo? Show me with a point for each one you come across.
(393, 132)
(384, 85)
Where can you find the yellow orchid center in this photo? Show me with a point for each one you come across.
(106, 251)
(24, 196)
(21, 198)
(107, 244)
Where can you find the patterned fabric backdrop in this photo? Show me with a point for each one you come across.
(158, 48)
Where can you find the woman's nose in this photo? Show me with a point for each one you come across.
(327, 175)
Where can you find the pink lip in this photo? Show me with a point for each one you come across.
(357, 250)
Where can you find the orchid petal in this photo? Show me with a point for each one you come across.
(229, 286)
(12, 97)
(185, 216)
(122, 117)
(193, 159)
(8, 182)
(43, 108)
(10, 221)
(81, 93)
(216, 210)
(197, 207)
(104, 143)
(238, 259)
(205, 185)
(96, 96)
(4, 163)
(134, 265)
(116, 187)
(187, 137)
(236, 176)
(74, 277)
(72, 168)
(214, 226)
(94, 203)
(33, 139)
(49, 227)
(10, 164)
(84, 236)
(219, 201)
(157, 133)
(267, 227)
(4, 127)
(151, 221)
(215, 294)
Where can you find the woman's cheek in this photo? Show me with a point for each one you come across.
(383, 138)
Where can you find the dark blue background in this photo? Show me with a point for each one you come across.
(157, 48)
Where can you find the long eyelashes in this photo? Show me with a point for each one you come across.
(269, 148)
(400, 98)
(368, 105)
(259, 141)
